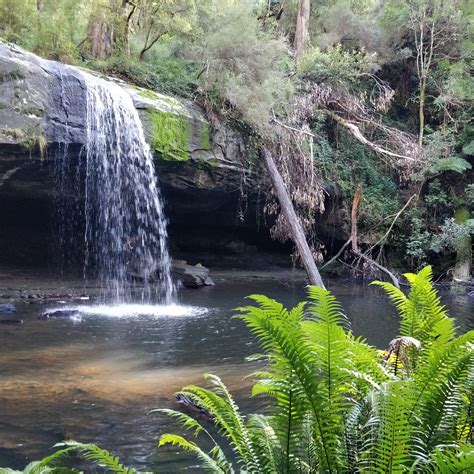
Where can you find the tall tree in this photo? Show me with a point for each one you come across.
(433, 30)
(302, 26)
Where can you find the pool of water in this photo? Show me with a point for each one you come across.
(95, 376)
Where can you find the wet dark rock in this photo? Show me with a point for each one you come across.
(59, 313)
(192, 276)
(188, 405)
(7, 308)
(9, 319)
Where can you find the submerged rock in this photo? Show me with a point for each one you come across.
(188, 405)
(9, 319)
(59, 313)
(192, 276)
(7, 308)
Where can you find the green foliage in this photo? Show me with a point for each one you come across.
(421, 315)
(350, 167)
(453, 235)
(99, 457)
(165, 74)
(454, 163)
(337, 405)
(335, 65)
(244, 71)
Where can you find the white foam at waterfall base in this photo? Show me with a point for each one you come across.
(136, 310)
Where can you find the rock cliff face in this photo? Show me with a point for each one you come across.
(211, 196)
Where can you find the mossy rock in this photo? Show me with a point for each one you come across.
(174, 131)
(170, 135)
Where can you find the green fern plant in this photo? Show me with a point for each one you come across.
(91, 452)
(337, 405)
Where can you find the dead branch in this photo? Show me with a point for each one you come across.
(397, 215)
(355, 247)
(355, 131)
(338, 254)
(355, 205)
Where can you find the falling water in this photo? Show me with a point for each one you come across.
(124, 235)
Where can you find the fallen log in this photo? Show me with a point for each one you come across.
(292, 220)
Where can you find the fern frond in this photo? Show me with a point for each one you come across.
(422, 315)
(183, 419)
(295, 358)
(99, 456)
(208, 462)
(451, 460)
(227, 417)
(396, 435)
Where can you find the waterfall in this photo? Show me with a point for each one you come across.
(124, 226)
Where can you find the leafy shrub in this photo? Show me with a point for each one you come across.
(165, 73)
(244, 69)
(335, 65)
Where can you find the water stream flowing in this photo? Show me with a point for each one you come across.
(123, 225)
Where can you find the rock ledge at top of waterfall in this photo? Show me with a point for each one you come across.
(42, 102)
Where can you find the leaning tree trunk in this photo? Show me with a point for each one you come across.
(302, 27)
(292, 220)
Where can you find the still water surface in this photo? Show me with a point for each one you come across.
(96, 377)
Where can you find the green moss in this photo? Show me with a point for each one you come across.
(205, 141)
(212, 163)
(461, 215)
(147, 93)
(31, 111)
(27, 138)
(16, 74)
(166, 101)
(170, 135)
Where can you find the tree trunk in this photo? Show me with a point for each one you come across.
(355, 206)
(302, 27)
(421, 111)
(39, 5)
(462, 268)
(122, 30)
(99, 35)
(292, 220)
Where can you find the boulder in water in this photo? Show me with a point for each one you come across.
(192, 276)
